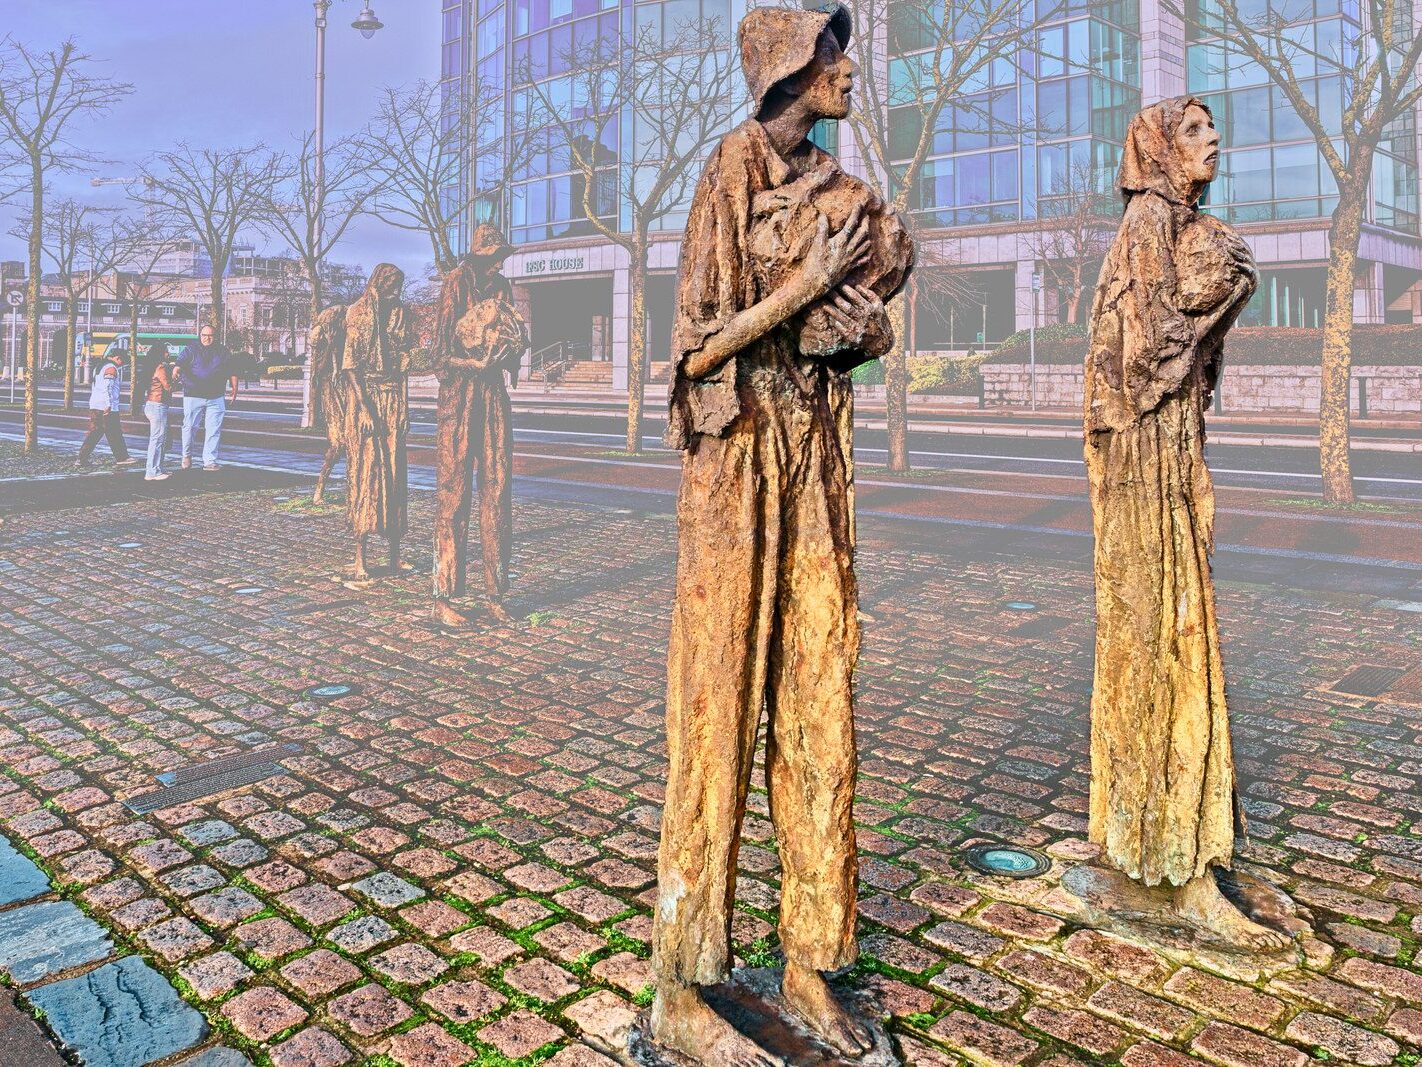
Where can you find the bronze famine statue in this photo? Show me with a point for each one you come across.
(480, 338)
(363, 352)
(1162, 772)
(784, 270)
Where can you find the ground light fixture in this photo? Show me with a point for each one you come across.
(1007, 861)
(329, 691)
(367, 23)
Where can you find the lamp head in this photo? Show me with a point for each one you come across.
(367, 23)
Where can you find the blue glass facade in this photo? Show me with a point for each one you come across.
(1005, 150)
(1271, 169)
(1004, 158)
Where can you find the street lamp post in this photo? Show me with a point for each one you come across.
(1032, 338)
(367, 24)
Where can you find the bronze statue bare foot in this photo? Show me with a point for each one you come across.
(447, 617)
(498, 611)
(810, 998)
(1201, 902)
(684, 1022)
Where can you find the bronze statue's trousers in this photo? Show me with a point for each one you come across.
(765, 619)
(473, 416)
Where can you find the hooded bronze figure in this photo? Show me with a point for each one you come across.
(1174, 281)
(365, 347)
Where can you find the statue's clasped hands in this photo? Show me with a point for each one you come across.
(829, 259)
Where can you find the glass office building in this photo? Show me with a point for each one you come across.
(1273, 179)
(1001, 159)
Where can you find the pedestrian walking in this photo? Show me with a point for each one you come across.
(158, 394)
(208, 372)
(104, 398)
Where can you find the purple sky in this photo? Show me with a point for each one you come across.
(232, 72)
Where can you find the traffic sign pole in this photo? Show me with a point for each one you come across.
(15, 299)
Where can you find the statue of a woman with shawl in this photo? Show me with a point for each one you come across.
(785, 266)
(1163, 804)
(375, 366)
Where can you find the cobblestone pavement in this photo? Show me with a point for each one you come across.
(457, 865)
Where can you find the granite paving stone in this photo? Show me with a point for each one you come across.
(20, 879)
(123, 1014)
(262, 1012)
(429, 1046)
(312, 1047)
(212, 976)
(369, 1010)
(361, 935)
(42, 939)
(463, 1002)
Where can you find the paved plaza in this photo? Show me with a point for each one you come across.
(454, 860)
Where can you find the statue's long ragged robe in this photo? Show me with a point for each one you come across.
(328, 384)
(765, 621)
(376, 416)
(1162, 772)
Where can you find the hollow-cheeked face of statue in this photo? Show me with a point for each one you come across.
(828, 81)
(1197, 145)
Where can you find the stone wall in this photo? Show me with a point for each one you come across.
(1264, 389)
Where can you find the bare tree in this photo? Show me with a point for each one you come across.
(1377, 67)
(1077, 222)
(957, 59)
(311, 208)
(42, 96)
(151, 241)
(214, 194)
(678, 88)
(83, 244)
(416, 154)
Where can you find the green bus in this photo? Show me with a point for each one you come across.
(97, 345)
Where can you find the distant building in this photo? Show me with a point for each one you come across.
(988, 188)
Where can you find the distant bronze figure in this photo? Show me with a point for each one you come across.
(480, 339)
(1163, 804)
(785, 267)
(328, 389)
(376, 414)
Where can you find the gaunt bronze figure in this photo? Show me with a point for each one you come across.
(1162, 772)
(785, 267)
(480, 339)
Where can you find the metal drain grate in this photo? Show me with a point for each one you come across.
(1371, 680)
(202, 787)
(195, 771)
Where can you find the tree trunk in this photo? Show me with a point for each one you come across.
(896, 388)
(32, 316)
(69, 349)
(637, 347)
(215, 314)
(1333, 403)
(308, 400)
(135, 403)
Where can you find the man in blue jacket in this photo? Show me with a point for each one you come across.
(207, 374)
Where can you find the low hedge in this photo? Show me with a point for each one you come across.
(282, 373)
(945, 375)
(1280, 346)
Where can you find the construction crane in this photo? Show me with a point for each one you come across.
(145, 180)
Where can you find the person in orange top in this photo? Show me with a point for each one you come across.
(155, 407)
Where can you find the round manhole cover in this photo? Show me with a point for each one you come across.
(1007, 861)
(330, 691)
(1021, 605)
